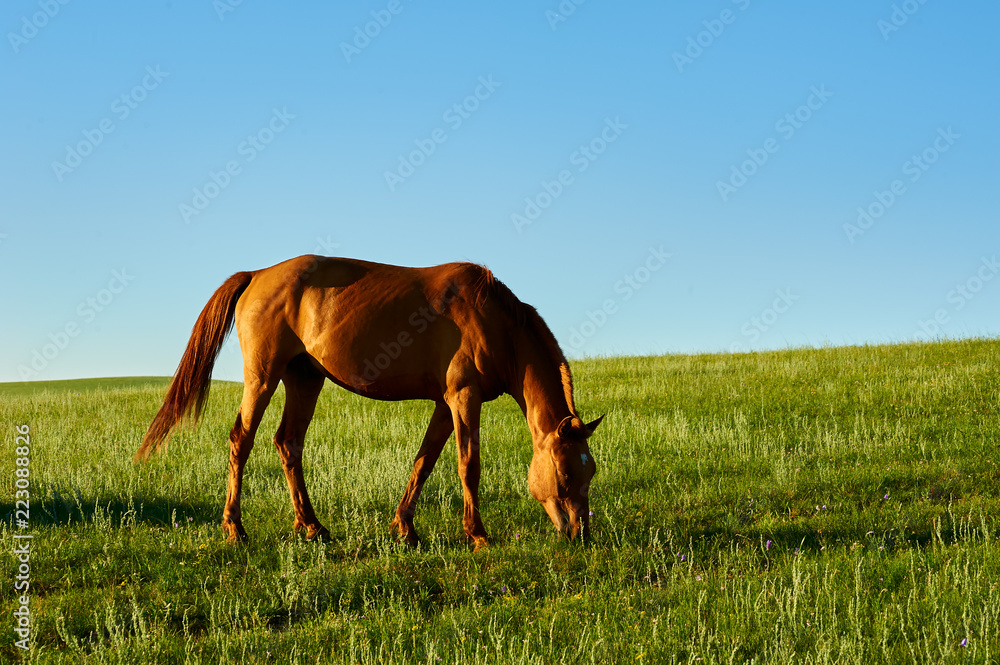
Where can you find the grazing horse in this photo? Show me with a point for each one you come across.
(452, 334)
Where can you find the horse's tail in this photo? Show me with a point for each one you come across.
(189, 387)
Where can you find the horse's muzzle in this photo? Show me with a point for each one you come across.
(571, 520)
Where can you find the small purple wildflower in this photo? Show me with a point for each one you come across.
(175, 525)
(767, 545)
(697, 577)
(964, 642)
(886, 496)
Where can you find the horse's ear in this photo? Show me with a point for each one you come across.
(572, 425)
(591, 426)
(565, 428)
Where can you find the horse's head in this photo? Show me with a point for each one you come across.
(560, 474)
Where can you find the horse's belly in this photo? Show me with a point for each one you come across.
(390, 371)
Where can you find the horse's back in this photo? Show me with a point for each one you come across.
(385, 331)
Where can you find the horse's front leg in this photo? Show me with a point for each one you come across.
(465, 409)
(438, 431)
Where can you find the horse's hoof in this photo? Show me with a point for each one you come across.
(405, 533)
(480, 543)
(234, 534)
(408, 537)
(317, 534)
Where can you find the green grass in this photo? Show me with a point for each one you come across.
(835, 505)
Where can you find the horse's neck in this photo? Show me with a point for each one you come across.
(540, 391)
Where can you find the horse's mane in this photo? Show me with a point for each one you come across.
(485, 287)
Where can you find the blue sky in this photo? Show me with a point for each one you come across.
(654, 178)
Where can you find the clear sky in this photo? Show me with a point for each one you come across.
(653, 177)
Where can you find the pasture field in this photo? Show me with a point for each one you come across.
(829, 505)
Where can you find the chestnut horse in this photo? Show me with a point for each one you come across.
(452, 334)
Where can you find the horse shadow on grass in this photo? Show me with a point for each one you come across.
(61, 508)
(807, 539)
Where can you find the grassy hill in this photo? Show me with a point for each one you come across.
(22, 388)
(808, 505)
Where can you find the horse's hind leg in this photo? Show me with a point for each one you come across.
(302, 388)
(438, 431)
(257, 392)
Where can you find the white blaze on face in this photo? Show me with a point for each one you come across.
(583, 458)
